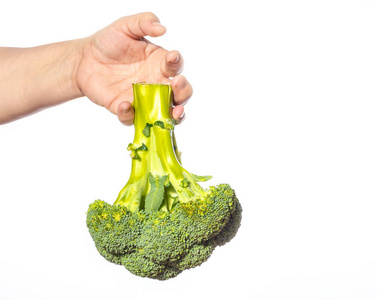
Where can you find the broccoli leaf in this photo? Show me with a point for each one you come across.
(156, 195)
(142, 148)
(147, 130)
(184, 183)
(159, 123)
(134, 151)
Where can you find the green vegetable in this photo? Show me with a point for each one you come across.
(147, 129)
(156, 195)
(163, 221)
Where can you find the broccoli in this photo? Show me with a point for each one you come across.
(163, 221)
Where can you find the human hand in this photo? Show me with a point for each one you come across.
(119, 55)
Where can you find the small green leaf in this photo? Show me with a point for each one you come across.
(134, 155)
(156, 195)
(160, 124)
(134, 151)
(184, 183)
(201, 178)
(147, 130)
(129, 147)
(142, 148)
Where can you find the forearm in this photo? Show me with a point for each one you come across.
(35, 78)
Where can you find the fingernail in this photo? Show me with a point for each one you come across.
(157, 24)
(175, 60)
(182, 116)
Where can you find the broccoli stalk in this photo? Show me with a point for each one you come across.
(163, 221)
(154, 155)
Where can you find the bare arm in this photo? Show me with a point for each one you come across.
(35, 78)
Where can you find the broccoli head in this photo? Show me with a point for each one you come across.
(163, 221)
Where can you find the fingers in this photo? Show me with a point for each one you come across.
(143, 24)
(147, 24)
(182, 90)
(178, 113)
(126, 113)
(172, 64)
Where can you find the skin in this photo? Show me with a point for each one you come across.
(101, 67)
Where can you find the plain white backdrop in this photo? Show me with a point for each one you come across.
(284, 110)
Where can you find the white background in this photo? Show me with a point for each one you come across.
(284, 110)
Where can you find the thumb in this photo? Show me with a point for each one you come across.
(143, 24)
(126, 113)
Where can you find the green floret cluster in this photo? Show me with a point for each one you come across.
(162, 244)
(163, 221)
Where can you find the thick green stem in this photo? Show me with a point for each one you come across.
(153, 151)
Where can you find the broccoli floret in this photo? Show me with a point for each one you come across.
(163, 221)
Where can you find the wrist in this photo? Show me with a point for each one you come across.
(72, 61)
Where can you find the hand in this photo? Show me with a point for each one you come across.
(119, 55)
